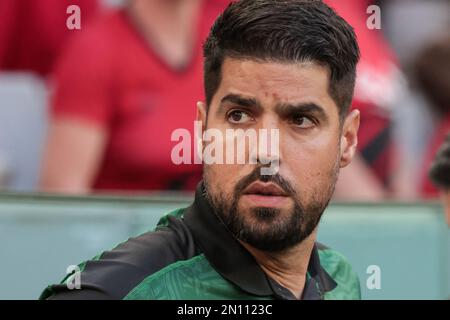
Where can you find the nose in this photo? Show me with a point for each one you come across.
(268, 153)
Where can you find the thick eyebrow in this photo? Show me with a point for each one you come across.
(286, 110)
(238, 100)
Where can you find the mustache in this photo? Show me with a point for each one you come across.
(256, 175)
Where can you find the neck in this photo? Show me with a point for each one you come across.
(161, 6)
(169, 26)
(289, 267)
(168, 15)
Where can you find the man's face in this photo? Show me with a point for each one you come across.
(276, 212)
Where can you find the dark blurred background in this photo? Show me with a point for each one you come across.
(92, 109)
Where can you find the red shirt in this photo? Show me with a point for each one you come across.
(132, 92)
(32, 32)
(376, 87)
(111, 77)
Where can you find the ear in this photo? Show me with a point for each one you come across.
(200, 128)
(201, 114)
(349, 137)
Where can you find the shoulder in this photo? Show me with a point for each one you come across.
(115, 273)
(340, 269)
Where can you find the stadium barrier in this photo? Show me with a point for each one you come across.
(400, 251)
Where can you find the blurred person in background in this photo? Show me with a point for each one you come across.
(440, 175)
(432, 75)
(410, 26)
(33, 32)
(31, 36)
(370, 175)
(121, 89)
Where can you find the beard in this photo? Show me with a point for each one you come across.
(270, 229)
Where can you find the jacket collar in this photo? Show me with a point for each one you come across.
(236, 264)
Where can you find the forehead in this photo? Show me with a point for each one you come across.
(277, 82)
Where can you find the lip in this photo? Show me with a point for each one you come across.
(267, 189)
(266, 194)
(256, 200)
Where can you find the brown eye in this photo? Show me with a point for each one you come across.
(302, 122)
(238, 117)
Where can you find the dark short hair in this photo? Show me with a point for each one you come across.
(431, 73)
(284, 31)
(440, 168)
